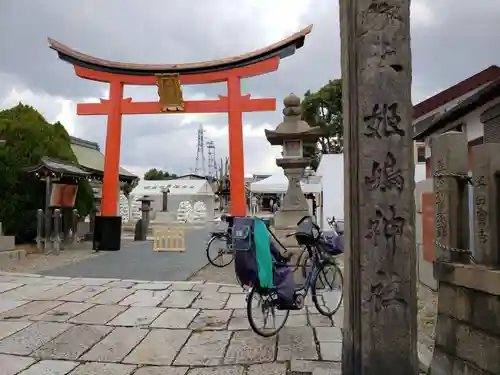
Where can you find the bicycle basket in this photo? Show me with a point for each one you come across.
(307, 232)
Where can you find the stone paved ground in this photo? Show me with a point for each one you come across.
(84, 326)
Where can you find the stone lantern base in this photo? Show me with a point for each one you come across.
(293, 208)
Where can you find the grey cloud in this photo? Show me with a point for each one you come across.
(459, 42)
(455, 39)
(123, 30)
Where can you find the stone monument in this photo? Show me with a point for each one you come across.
(292, 134)
(380, 325)
(164, 216)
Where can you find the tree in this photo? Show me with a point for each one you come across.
(158, 174)
(223, 175)
(323, 108)
(27, 138)
(223, 183)
(127, 187)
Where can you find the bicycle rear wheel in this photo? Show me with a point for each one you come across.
(267, 307)
(218, 253)
(327, 292)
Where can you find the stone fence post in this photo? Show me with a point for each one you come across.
(449, 166)
(485, 170)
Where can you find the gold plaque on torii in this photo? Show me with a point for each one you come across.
(170, 92)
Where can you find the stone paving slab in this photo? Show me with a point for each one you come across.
(86, 326)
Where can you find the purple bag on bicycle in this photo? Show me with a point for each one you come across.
(332, 243)
(283, 280)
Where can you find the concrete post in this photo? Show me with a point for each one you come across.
(449, 166)
(380, 328)
(164, 201)
(74, 226)
(39, 230)
(57, 231)
(48, 214)
(485, 166)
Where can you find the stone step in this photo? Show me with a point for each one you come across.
(7, 243)
(9, 255)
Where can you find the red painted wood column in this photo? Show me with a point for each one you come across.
(236, 154)
(112, 153)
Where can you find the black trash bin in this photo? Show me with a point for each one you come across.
(107, 233)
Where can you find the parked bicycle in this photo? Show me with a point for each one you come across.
(277, 300)
(220, 245)
(220, 251)
(337, 229)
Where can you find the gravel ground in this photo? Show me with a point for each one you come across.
(427, 312)
(36, 262)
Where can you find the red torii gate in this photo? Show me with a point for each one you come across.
(169, 79)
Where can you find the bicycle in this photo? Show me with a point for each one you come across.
(334, 225)
(225, 249)
(286, 257)
(323, 260)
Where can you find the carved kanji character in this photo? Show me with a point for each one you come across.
(386, 176)
(383, 121)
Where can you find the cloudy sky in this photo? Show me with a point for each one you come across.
(451, 40)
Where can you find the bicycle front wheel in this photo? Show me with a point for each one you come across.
(327, 288)
(218, 253)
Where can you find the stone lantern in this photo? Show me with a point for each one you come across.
(142, 226)
(293, 134)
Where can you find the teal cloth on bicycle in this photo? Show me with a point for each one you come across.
(263, 254)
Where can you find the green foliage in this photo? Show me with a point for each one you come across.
(27, 138)
(127, 187)
(158, 174)
(323, 108)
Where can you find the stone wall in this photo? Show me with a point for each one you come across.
(467, 268)
(468, 323)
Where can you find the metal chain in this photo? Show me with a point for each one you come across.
(468, 179)
(459, 176)
(455, 250)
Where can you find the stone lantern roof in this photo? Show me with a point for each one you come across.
(293, 127)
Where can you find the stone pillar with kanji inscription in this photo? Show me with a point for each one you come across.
(449, 166)
(380, 327)
(485, 169)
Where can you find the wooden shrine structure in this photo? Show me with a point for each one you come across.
(170, 78)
